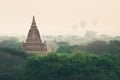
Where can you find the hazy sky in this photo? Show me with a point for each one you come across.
(60, 16)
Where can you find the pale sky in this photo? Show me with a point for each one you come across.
(59, 17)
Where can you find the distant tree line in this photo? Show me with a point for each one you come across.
(12, 42)
(98, 47)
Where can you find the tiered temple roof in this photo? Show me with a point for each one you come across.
(33, 42)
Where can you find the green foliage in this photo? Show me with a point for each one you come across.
(93, 47)
(68, 49)
(11, 43)
(115, 42)
(79, 66)
(13, 51)
(65, 49)
(62, 43)
(17, 65)
(97, 47)
(8, 59)
(114, 47)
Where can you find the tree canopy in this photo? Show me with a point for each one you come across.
(79, 66)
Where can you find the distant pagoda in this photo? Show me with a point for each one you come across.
(33, 42)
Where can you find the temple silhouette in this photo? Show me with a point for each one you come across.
(33, 42)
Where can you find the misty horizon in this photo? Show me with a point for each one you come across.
(63, 17)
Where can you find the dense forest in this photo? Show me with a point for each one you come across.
(9, 58)
(97, 60)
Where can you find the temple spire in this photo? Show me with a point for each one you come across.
(33, 21)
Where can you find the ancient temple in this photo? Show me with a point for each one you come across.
(33, 42)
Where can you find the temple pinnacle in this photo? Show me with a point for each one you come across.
(33, 21)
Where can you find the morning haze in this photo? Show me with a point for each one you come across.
(60, 17)
(59, 39)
